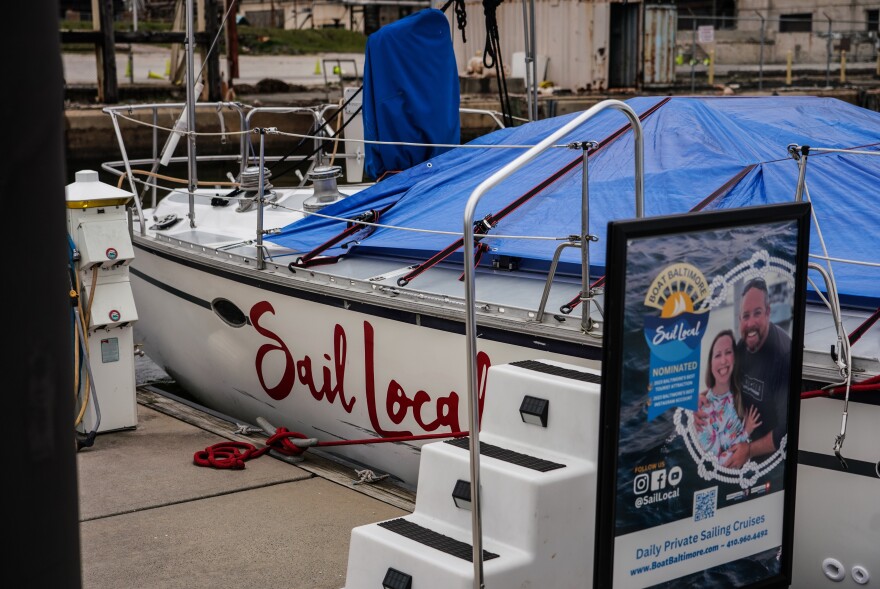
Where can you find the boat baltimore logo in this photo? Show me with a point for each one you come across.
(674, 337)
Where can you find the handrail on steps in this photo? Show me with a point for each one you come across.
(470, 291)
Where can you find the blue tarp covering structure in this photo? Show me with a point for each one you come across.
(411, 92)
(710, 152)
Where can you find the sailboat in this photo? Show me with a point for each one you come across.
(379, 311)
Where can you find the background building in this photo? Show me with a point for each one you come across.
(593, 45)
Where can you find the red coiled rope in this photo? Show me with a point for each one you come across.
(229, 454)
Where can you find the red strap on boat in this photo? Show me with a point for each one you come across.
(480, 229)
(491, 220)
(869, 384)
(859, 331)
(481, 249)
(372, 216)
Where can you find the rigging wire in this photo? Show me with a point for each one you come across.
(492, 58)
(460, 15)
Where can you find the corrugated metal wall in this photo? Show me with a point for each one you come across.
(572, 34)
(660, 26)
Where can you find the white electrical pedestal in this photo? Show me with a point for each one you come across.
(97, 223)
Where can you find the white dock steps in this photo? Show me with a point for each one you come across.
(436, 540)
(538, 454)
(506, 455)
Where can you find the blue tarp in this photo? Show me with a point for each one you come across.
(694, 148)
(411, 92)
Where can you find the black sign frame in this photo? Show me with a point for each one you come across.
(622, 236)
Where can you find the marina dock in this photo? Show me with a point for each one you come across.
(149, 517)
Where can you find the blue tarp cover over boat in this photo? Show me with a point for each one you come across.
(411, 92)
(701, 153)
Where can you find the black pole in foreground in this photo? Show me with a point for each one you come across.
(41, 510)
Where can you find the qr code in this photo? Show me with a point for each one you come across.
(704, 503)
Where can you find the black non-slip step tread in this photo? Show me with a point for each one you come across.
(510, 456)
(558, 371)
(436, 540)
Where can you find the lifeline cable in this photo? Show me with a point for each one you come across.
(302, 141)
(480, 227)
(492, 58)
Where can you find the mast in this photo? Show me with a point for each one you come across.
(190, 113)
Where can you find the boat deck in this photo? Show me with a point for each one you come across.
(150, 518)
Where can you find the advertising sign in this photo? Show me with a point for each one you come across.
(701, 387)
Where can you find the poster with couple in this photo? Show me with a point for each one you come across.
(701, 383)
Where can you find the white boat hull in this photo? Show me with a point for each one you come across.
(837, 512)
(315, 366)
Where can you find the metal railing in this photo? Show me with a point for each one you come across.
(163, 154)
(470, 290)
(782, 45)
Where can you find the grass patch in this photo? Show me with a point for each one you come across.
(251, 40)
(259, 41)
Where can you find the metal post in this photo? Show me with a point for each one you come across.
(693, 52)
(828, 54)
(800, 153)
(788, 58)
(134, 26)
(761, 65)
(261, 259)
(529, 59)
(232, 45)
(211, 59)
(586, 294)
(711, 67)
(534, 114)
(109, 90)
(470, 290)
(152, 181)
(191, 114)
(129, 173)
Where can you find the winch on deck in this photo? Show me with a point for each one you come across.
(326, 189)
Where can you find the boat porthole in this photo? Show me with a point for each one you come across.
(833, 569)
(229, 312)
